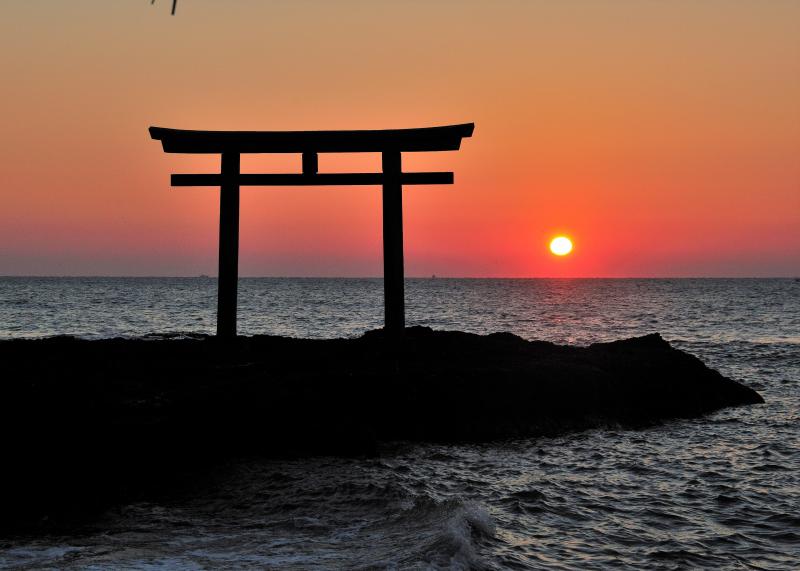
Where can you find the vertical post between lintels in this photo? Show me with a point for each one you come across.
(310, 163)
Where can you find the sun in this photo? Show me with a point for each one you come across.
(561, 245)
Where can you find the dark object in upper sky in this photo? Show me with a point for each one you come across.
(174, 5)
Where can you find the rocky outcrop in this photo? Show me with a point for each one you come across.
(88, 420)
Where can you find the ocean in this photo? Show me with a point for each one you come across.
(717, 492)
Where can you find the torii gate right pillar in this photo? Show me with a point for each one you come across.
(393, 276)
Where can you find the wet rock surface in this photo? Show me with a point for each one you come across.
(92, 422)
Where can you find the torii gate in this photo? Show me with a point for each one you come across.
(391, 143)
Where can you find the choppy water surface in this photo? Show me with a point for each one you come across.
(719, 492)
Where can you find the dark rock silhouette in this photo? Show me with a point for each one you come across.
(91, 422)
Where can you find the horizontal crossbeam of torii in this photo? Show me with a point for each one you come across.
(391, 143)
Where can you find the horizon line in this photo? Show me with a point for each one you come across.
(417, 277)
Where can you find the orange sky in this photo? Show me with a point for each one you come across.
(664, 137)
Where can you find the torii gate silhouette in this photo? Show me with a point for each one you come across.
(391, 143)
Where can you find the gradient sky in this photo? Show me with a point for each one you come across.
(664, 137)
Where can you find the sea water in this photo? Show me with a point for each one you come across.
(717, 492)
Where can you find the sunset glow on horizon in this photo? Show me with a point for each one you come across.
(665, 134)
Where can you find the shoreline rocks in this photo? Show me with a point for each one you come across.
(95, 421)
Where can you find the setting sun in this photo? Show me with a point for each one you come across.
(561, 246)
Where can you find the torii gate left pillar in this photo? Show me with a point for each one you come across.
(228, 281)
(390, 143)
(393, 274)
